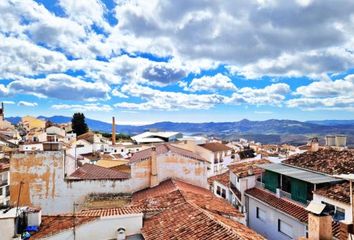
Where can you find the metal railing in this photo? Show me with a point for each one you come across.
(259, 184)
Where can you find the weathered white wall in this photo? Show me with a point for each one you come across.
(7, 226)
(44, 185)
(269, 227)
(103, 228)
(176, 166)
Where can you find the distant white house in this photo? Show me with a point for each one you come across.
(153, 136)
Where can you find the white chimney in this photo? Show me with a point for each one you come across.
(121, 233)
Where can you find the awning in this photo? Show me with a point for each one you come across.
(306, 176)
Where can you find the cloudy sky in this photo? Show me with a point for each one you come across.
(186, 60)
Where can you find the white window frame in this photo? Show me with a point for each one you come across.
(285, 228)
(261, 214)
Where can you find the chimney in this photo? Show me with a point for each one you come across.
(320, 227)
(153, 178)
(314, 145)
(113, 131)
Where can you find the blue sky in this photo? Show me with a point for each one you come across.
(187, 60)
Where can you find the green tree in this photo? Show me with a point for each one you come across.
(78, 124)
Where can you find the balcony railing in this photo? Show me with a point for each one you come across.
(259, 184)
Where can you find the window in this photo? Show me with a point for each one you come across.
(261, 214)
(215, 169)
(339, 215)
(218, 190)
(285, 228)
(223, 193)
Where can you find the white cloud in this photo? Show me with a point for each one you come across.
(8, 102)
(22, 58)
(27, 104)
(61, 86)
(270, 95)
(160, 100)
(117, 93)
(211, 83)
(85, 12)
(326, 94)
(89, 107)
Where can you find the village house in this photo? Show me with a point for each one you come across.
(276, 206)
(51, 180)
(152, 213)
(217, 154)
(232, 184)
(4, 183)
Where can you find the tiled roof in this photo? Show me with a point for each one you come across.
(87, 136)
(55, 224)
(243, 169)
(91, 156)
(172, 192)
(162, 149)
(281, 204)
(216, 147)
(328, 161)
(104, 212)
(94, 172)
(339, 192)
(223, 178)
(186, 221)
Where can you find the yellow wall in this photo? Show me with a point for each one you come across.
(33, 122)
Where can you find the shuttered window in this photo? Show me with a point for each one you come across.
(271, 180)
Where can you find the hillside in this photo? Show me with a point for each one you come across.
(269, 131)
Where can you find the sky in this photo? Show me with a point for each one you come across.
(184, 61)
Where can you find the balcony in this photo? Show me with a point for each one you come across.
(281, 194)
(235, 191)
(4, 182)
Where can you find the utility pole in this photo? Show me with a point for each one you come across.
(74, 219)
(17, 205)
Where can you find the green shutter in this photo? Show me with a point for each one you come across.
(271, 181)
(299, 190)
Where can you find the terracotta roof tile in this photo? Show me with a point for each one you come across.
(281, 204)
(242, 169)
(162, 149)
(173, 192)
(104, 212)
(186, 221)
(94, 172)
(223, 178)
(328, 161)
(216, 147)
(55, 224)
(339, 192)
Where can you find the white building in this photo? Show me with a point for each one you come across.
(4, 184)
(156, 137)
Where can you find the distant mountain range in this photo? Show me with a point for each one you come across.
(268, 131)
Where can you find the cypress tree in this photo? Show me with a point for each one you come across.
(78, 124)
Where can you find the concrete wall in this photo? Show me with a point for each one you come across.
(44, 184)
(191, 171)
(269, 227)
(103, 228)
